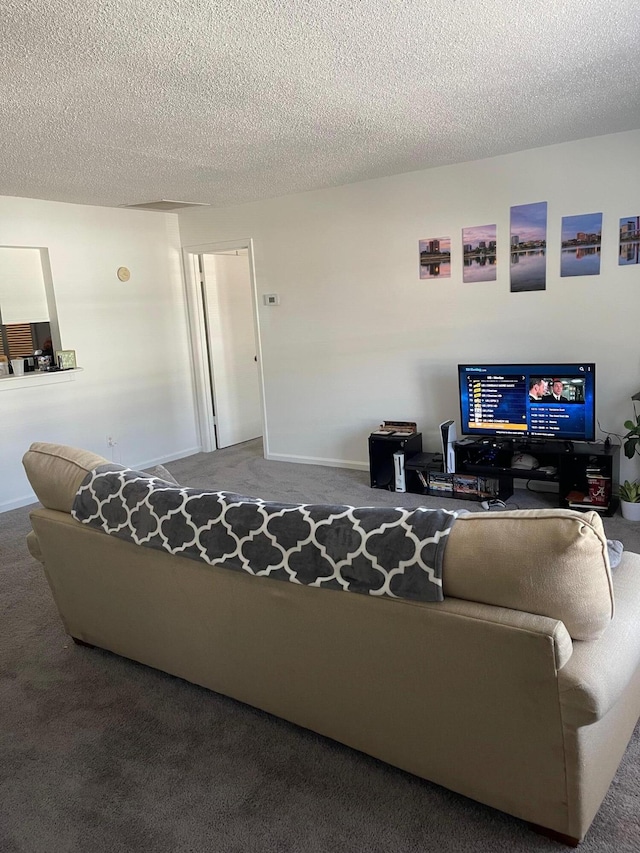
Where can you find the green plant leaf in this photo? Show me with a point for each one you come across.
(630, 492)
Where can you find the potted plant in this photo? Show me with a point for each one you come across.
(631, 439)
(630, 491)
(630, 500)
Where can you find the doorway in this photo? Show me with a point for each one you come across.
(225, 343)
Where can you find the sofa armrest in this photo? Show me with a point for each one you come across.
(56, 472)
(530, 623)
(33, 544)
(599, 670)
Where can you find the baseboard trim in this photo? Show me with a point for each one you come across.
(160, 460)
(317, 460)
(18, 503)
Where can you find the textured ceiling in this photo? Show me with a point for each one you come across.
(116, 102)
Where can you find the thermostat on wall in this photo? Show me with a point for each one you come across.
(123, 274)
(271, 299)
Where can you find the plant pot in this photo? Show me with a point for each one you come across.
(630, 510)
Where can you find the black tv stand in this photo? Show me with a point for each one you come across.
(567, 463)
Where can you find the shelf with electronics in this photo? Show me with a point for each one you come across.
(509, 435)
(586, 473)
(537, 422)
(398, 463)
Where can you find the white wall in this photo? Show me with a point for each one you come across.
(358, 338)
(130, 338)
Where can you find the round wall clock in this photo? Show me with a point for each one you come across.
(123, 274)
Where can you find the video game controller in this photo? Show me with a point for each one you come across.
(493, 502)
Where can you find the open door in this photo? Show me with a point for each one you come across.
(227, 302)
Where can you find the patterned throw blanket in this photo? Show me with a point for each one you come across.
(372, 550)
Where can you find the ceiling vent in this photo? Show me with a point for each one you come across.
(164, 204)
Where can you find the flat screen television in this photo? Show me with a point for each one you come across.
(550, 401)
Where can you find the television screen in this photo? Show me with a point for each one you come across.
(529, 400)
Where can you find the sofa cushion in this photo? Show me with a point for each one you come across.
(56, 471)
(552, 562)
(161, 473)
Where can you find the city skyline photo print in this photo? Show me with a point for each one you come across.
(581, 237)
(629, 252)
(435, 257)
(479, 253)
(528, 247)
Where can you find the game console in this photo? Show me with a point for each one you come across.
(400, 481)
(449, 436)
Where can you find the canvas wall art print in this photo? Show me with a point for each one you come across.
(479, 253)
(528, 247)
(581, 238)
(435, 257)
(629, 241)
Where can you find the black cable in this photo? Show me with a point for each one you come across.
(609, 434)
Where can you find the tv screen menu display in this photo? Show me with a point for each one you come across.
(523, 400)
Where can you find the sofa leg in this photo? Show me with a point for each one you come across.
(569, 840)
(82, 643)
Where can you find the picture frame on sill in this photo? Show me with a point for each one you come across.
(66, 359)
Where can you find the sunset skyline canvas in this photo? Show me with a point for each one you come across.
(528, 247)
(629, 251)
(581, 236)
(435, 257)
(479, 253)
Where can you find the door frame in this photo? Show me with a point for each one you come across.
(198, 337)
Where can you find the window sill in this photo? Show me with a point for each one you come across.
(34, 379)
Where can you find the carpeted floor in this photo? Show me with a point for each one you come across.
(101, 754)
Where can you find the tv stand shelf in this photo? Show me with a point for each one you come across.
(571, 461)
(527, 474)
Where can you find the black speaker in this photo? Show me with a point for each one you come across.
(381, 450)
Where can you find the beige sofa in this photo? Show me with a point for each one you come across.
(520, 690)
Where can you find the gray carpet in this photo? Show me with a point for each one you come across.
(101, 754)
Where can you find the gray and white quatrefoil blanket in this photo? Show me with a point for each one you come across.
(380, 551)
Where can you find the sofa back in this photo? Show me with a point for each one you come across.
(552, 562)
(457, 692)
